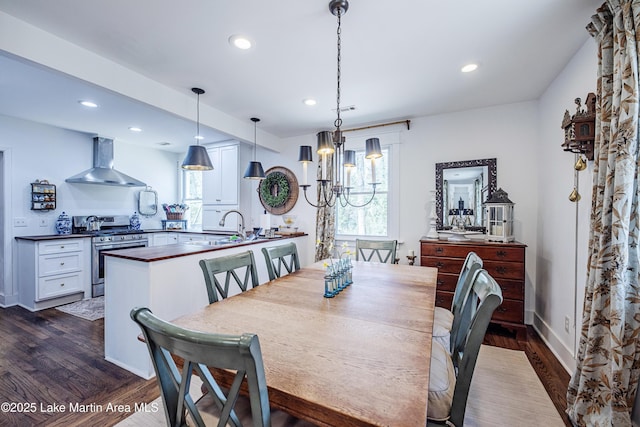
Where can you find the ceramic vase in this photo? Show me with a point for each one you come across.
(134, 221)
(63, 224)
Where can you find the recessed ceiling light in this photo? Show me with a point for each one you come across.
(469, 68)
(309, 101)
(164, 143)
(135, 129)
(241, 42)
(89, 104)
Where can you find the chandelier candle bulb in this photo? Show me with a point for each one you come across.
(373, 170)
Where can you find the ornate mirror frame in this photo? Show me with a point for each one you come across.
(491, 165)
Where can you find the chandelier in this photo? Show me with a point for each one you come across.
(337, 163)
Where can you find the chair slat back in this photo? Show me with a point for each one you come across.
(201, 351)
(231, 267)
(281, 256)
(384, 250)
(472, 263)
(489, 297)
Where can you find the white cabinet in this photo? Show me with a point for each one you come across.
(220, 186)
(160, 239)
(53, 272)
(190, 237)
(211, 216)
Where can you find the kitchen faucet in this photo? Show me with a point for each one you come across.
(240, 224)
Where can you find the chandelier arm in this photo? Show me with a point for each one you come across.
(304, 190)
(364, 204)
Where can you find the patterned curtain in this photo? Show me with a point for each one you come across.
(325, 219)
(603, 387)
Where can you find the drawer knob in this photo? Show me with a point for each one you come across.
(61, 285)
(501, 309)
(439, 250)
(439, 264)
(501, 269)
(62, 263)
(501, 254)
(439, 282)
(62, 247)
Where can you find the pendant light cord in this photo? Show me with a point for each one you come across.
(198, 121)
(338, 121)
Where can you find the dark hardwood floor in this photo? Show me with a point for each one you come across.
(52, 358)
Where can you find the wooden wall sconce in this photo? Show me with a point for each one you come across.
(580, 129)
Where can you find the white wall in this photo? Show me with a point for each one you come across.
(563, 230)
(45, 152)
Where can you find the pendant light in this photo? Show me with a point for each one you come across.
(197, 158)
(254, 169)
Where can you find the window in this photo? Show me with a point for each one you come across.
(373, 219)
(192, 196)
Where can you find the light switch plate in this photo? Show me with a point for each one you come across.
(19, 222)
(43, 222)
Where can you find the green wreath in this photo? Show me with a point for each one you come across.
(274, 189)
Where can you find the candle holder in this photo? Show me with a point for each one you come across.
(412, 259)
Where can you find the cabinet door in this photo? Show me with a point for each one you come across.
(212, 214)
(159, 239)
(220, 186)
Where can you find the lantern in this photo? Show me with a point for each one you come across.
(499, 217)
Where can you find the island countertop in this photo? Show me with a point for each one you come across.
(159, 253)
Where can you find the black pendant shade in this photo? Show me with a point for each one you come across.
(254, 169)
(197, 159)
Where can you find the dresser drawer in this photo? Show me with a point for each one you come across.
(58, 264)
(504, 270)
(509, 311)
(486, 251)
(444, 299)
(446, 282)
(444, 265)
(56, 286)
(511, 289)
(61, 245)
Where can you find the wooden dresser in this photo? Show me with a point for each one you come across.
(504, 261)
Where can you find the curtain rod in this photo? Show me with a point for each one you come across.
(407, 122)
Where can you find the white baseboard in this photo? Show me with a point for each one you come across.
(564, 354)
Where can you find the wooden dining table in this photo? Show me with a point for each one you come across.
(360, 358)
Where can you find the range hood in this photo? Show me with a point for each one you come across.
(102, 171)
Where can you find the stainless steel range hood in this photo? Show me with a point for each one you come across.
(102, 171)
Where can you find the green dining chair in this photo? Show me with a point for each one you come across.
(447, 322)
(230, 267)
(450, 374)
(199, 352)
(384, 250)
(281, 256)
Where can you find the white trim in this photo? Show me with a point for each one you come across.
(563, 353)
(8, 294)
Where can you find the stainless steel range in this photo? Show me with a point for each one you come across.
(109, 233)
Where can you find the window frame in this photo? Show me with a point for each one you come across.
(391, 142)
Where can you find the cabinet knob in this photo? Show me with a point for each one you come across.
(439, 264)
(61, 285)
(62, 263)
(61, 246)
(501, 269)
(439, 282)
(501, 254)
(439, 250)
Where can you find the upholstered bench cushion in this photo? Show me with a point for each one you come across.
(442, 321)
(442, 383)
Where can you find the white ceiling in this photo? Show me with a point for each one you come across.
(400, 59)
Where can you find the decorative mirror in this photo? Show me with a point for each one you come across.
(147, 202)
(461, 189)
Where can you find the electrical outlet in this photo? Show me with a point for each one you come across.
(567, 323)
(43, 222)
(19, 222)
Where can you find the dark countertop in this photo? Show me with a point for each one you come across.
(159, 253)
(76, 236)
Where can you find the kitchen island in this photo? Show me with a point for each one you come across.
(168, 280)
